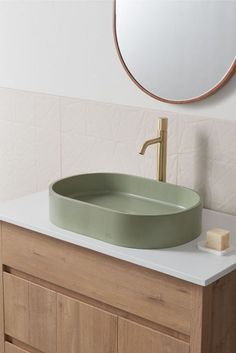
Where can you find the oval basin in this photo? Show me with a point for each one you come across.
(126, 210)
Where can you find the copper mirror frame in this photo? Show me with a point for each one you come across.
(226, 78)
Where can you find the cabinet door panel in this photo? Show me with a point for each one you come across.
(30, 313)
(16, 299)
(135, 338)
(42, 318)
(10, 348)
(85, 329)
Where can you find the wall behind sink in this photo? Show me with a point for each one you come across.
(66, 48)
(44, 137)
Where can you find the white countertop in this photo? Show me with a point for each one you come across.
(185, 262)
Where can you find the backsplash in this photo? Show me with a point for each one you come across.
(44, 137)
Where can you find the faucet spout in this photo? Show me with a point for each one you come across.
(161, 142)
(149, 143)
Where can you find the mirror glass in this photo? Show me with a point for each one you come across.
(177, 51)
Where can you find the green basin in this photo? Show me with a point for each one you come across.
(126, 210)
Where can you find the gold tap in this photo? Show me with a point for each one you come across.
(161, 142)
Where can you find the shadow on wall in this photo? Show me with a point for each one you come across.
(202, 169)
(208, 163)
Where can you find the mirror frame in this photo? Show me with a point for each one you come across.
(229, 74)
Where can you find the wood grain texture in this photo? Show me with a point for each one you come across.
(42, 318)
(16, 300)
(134, 338)
(103, 306)
(10, 348)
(30, 313)
(196, 322)
(1, 297)
(142, 292)
(214, 317)
(22, 345)
(223, 316)
(200, 338)
(85, 329)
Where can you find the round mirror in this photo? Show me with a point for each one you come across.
(177, 51)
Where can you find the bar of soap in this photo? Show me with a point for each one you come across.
(218, 239)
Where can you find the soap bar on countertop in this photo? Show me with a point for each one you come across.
(218, 239)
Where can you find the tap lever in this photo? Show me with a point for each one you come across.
(161, 142)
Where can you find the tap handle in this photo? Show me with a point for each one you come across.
(163, 124)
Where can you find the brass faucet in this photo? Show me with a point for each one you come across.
(161, 142)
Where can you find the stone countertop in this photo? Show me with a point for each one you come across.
(185, 262)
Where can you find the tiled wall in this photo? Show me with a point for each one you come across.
(44, 137)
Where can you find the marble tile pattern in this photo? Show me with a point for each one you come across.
(45, 137)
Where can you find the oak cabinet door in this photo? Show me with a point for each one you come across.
(135, 338)
(10, 348)
(82, 328)
(30, 313)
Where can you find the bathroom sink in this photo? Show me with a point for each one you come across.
(126, 210)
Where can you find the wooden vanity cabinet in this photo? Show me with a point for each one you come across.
(60, 298)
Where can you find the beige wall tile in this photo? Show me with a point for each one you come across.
(17, 160)
(73, 112)
(24, 107)
(193, 134)
(207, 161)
(107, 137)
(222, 141)
(195, 172)
(223, 187)
(172, 169)
(29, 143)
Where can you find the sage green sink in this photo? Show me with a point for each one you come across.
(126, 210)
